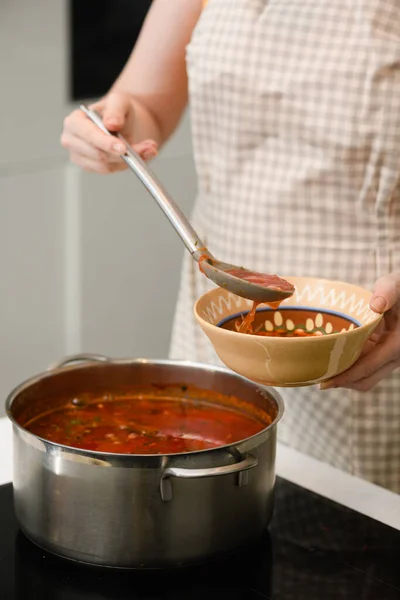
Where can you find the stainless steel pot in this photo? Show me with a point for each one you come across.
(140, 511)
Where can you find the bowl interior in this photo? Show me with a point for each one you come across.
(326, 303)
(293, 321)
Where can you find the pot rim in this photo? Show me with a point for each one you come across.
(98, 361)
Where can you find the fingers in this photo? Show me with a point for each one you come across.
(384, 352)
(96, 161)
(78, 146)
(78, 125)
(379, 331)
(102, 167)
(386, 293)
(368, 347)
(147, 149)
(367, 383)
(96, 151)
(115, 110)
(374, 361)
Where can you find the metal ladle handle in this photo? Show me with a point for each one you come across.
(174, 214)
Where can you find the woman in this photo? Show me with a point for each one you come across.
(295, 110)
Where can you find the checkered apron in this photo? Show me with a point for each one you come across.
(295, 108)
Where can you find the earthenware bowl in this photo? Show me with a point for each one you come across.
(339, 313)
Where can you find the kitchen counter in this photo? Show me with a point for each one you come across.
(332, 536)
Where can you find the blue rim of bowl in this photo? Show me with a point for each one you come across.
(292, 308)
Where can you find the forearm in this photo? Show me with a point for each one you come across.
(155, 74)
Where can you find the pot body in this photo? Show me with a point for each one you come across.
(141, 511)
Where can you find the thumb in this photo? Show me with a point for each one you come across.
(115, 108)
(386, 293)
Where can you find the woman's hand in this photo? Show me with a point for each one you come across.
(381, 353)
(149, 97)
(96, 151)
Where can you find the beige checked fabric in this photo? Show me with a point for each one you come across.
(295, 109)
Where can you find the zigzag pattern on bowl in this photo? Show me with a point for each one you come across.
(340, 300)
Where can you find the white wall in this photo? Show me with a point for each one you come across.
(88, 263)
(131, 257)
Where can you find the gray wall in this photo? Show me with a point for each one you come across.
(88, 263)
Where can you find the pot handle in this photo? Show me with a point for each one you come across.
(247, 462)
(76, 358)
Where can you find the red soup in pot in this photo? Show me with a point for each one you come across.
(150, 420)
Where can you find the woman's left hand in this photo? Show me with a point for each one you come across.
(381, 353)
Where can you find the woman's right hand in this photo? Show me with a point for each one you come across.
(96, 151)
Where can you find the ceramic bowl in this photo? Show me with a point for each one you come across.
(338, 311)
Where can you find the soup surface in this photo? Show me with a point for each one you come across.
(289, 322)
(152, 420)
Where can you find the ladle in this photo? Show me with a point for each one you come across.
(247, 284)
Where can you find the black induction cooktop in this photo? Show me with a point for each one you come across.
(315, 550)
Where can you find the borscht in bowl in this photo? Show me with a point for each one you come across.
(290, 321)
(310, 337)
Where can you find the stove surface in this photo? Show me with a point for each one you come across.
(315, 550)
